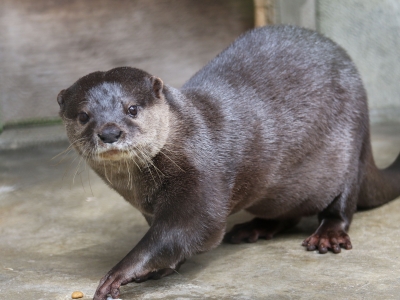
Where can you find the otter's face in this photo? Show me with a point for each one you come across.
(116, 115)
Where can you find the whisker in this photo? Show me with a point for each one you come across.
(69, 167)
(177, 272)
(149, 161)
(172, 161)
(77, 169)
(88, 176)
(147, 165)
(135, 155)
(105, 172)
(80, 176)
(62, 159)
(165, 147)
(68, 148)
(129, 185)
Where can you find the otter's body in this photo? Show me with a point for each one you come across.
(277, 124)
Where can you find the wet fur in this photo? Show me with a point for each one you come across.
(277, 124)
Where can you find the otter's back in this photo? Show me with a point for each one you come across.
(296, 84)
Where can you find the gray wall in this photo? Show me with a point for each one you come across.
(46, 45)
(370, 32)
(296, 12)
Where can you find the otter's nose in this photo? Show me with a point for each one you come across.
(110, 134)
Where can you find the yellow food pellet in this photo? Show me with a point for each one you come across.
(77, 295)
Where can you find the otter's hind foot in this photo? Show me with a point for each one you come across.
(257, 228)
(329, 236)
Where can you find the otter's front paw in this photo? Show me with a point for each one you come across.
(121, 275)
(110, 284)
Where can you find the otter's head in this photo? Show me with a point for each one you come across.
(116, 115)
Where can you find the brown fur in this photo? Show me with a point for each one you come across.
(277, 124)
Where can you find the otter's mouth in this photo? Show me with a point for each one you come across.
(113, 154)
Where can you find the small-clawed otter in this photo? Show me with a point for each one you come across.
(277, 124)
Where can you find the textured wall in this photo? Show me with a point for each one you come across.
(296, 12)
(45, 45)
(370, 32)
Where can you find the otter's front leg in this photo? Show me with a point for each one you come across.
(154, 257)
(181, 227)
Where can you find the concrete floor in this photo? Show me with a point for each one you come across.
(62, 229)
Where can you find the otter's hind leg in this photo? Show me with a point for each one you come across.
(334, 223)
(258, 228)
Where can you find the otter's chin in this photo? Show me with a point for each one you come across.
(114, 154)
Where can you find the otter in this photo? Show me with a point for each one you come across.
(277, 124)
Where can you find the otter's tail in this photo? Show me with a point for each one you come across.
(379, 186)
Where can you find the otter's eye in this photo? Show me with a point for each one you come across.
(133, 110)
(83, 117)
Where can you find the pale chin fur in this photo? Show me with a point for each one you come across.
(114, 153)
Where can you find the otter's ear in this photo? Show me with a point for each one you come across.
(157, 85)
(60, 99)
